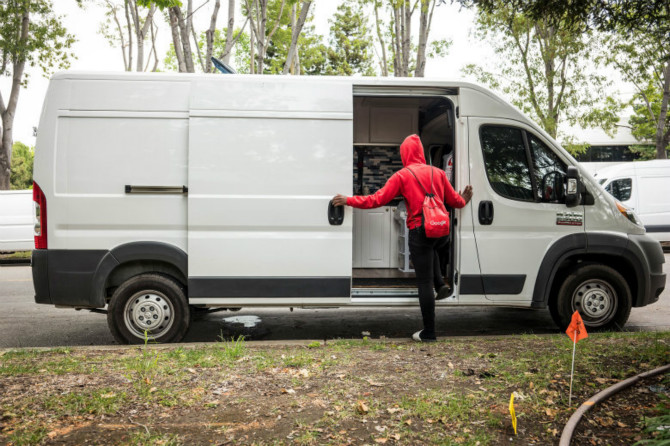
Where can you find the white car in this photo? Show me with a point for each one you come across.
(16, 220)
(158, 192)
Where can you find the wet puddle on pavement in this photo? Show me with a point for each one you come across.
(246, 321)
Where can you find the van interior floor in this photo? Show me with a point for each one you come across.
(382, 277)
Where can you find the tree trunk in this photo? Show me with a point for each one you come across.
(396, 43)
(130, 36)
(9, 112)
(154, 33)
(210, 37)
(183, 38)
(385, 67)
(295, 35)
(662, 136)
(406, 33)
(176, 42)
(425, 22)
(229, 31)
(252, 44)
(113, 8)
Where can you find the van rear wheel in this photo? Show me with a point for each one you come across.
(598, 292)
(149, 303)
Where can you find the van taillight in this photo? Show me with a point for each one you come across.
(40, 220)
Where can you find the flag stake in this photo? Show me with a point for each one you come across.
(572, 373)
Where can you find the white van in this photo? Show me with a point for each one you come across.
(642, 186)
(16, 220)
(168, 191)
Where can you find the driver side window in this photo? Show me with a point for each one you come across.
(519, 166)
(549, 172)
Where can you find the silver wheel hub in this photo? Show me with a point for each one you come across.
(148, 311)
(596, 300)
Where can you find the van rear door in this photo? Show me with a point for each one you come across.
(266, 155)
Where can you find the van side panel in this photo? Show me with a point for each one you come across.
(97, 155)
(264, 161)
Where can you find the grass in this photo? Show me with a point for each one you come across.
(103, 401)
(143, 437)
(452, 392)
(28, 436)
(658, 427)
(16, 255)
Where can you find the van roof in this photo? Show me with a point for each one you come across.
(634, 167)
(479, 99)
(355, 80)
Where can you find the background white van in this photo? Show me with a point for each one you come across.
(643, 186)
(166, 192)
(16, 220)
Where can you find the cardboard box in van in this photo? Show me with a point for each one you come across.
(159, 193)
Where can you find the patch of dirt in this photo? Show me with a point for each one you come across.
(618, 420)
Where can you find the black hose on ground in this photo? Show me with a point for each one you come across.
(576, 417)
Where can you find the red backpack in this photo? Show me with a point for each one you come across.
(435, 215)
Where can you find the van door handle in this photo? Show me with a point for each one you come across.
(180, 190)
(485, 212)
(335, 214)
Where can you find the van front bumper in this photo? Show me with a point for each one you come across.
(653, 255)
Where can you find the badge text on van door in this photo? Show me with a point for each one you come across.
(569, 218)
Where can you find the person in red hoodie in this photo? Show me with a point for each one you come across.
(422, 249)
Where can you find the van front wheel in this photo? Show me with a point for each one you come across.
(148, 305)
(598, 292)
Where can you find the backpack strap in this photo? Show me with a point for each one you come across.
(431, 194)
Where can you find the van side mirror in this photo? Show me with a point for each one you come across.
(572, 187)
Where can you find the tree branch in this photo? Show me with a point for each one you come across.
(295, 35)
(524, 58)
(276, 27)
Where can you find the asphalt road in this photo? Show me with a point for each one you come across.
(23, 323)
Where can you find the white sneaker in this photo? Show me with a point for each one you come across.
(417, 337)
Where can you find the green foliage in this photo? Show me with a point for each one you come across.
(350, 50)
(659, 426)
(161, 4)
(311, 50)
(646, 152)
(650, 16)
(439, 48)
(642, 59)
(22, 167)
(48, 43)
(542, 69)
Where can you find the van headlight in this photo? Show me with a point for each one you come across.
(628, 213)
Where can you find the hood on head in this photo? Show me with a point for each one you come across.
(411, 151)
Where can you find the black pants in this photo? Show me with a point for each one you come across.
(423, 252)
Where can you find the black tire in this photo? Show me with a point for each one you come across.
(599, 292)
(150, 302)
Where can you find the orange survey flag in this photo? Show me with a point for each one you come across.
(577, 328)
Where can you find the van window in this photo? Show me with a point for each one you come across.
(620, 189)
(549, 172)
(507, 162)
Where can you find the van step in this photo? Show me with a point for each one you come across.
(384, 292)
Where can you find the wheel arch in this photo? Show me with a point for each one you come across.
(613, 250)
(131, 259)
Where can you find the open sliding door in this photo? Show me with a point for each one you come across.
(265, 158)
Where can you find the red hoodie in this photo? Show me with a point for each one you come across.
(403, 183)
